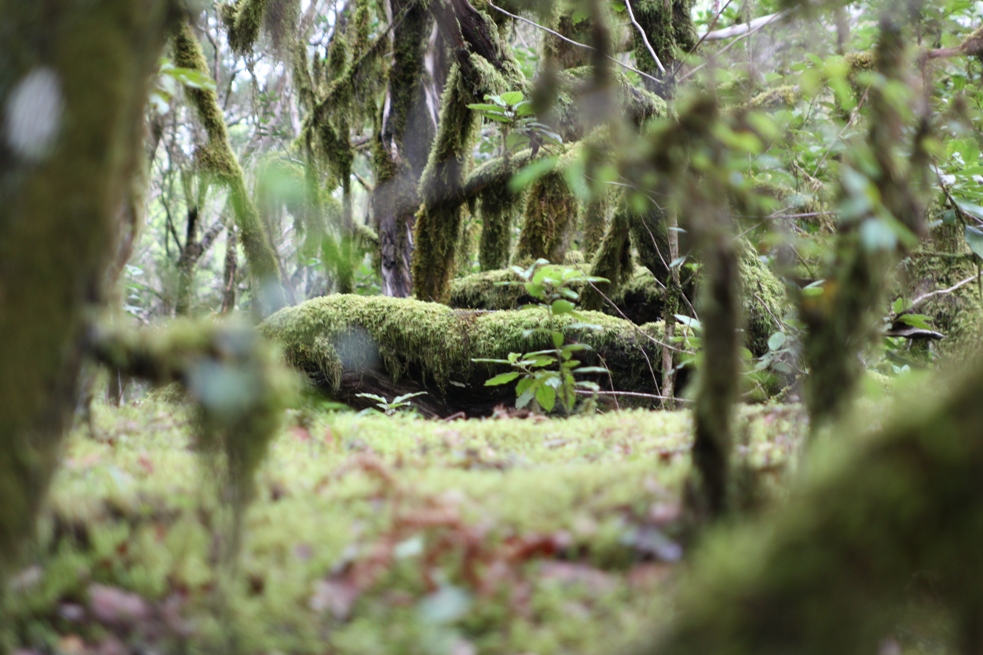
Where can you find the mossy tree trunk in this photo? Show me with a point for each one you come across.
(825, 572)
(73, 80)
(842, 321)
(217, 157)
(483, 65)
(402, 146)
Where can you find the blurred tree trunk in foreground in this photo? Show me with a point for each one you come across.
(823, 574)
(73, 84)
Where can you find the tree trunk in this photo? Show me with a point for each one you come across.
(823, 573)
(73, 81)
(401, 148)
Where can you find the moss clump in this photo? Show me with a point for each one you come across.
(498, 206)
(780, 97)
(669, 27)
(347, 343)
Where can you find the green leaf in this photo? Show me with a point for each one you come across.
(526, 396)
(529, 174)
(776, 340)
(546, 397)
(689, 321)
(920, 321)
(590, 369)
(485, 108)
(562, 306)
(407, 396)
(557, 338)
(503, 378)
(512, 97)
(974, 239)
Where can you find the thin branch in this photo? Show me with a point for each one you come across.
(572, 42)
(645, 38)
(631, 394)
(744, 28)
(749, 32)
(713, 24)
(942, 292)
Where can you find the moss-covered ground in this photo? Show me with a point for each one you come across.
(371, 534)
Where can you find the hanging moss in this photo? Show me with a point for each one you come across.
(612, 260)
(438, 223)
(400, 149)
(233, 379)
(669, 27)
(498, 206)
(218, 158)
(349, 344)
(594, 218)
(550, 212)
(243, 19)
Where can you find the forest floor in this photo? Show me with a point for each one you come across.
(373, 534)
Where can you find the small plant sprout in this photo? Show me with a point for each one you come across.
(545, 376)
(390, 407)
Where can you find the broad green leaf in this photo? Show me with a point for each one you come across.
(562, 306)
(503, 378)
(546, 397)
(512, 97)
(920, 321)
(776, 341)
(974, 239)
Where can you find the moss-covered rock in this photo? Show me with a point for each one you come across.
(390, 346)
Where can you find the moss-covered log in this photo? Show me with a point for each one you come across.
(73, 88)
(640, 297)
(390, 346)
(824, 574)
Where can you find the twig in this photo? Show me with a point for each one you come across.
(942, 292)
(645, 38)
(572, 42)
(713, 24)
(727, 47)
(744, 28)
(632, 394)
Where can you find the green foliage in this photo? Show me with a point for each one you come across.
(390, 407)
(548, 375)
(517, 122)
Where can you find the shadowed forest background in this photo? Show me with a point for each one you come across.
(510, 327)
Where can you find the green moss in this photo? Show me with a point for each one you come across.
(498, 207)
(669, 27)
(851, 544)
(550, 213)
(243, 19)
(613, 258)
(438, 223)
(337, 339)
(127, 512)
(780, 97)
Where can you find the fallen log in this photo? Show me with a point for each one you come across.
(349, 344)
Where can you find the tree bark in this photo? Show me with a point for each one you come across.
(73, 82)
